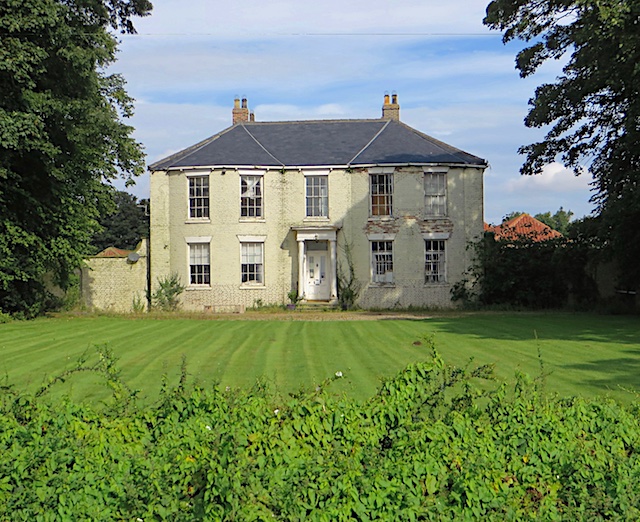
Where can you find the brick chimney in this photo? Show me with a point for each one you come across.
(391, 111)
(240, 113)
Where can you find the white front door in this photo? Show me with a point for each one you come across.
(317, 281)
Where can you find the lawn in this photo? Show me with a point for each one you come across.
(585, 354)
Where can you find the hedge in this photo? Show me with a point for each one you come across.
(432, 444)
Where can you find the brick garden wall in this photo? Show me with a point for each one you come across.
(115, 283)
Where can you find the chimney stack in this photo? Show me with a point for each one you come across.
(240, 113)
(391, 111)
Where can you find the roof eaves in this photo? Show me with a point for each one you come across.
(318, 166)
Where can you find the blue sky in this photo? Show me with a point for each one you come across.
(454, 78)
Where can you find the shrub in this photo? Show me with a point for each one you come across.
(427, 446)
(167, 296)
(528, 274)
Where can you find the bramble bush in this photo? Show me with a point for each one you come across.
(429, 445)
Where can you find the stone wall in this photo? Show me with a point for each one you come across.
(116, 284)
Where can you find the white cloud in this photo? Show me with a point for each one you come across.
(507, 191)
(331, 59)
(555, 178)
(250, 19)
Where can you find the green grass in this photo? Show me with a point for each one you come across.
(585, 354)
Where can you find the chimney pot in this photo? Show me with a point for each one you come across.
(240, 113)
(391, 111)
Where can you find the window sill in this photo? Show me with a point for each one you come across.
(381, 285)
(192, 221)
(246, 286)
(322, 219)
(192, 288)
(252, 220)
(443, 283)
(381, 218)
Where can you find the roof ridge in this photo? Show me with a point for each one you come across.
(513, 221)
(370, 142)
(334, 120)
(260, 144)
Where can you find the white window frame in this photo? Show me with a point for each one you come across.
(435, 261)
(248, 245)
(199, 249)
(254, 190)
(319, 195)
(435, 191)
(381, 178)
(382, 260)
(199, 197)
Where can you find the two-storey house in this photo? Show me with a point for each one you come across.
(265, 208)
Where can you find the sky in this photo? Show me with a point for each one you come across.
(330, 59)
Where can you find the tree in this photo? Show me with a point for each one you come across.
(593, 108)
(61, 137)
(125, 226)
(558, 221)
(512, 215)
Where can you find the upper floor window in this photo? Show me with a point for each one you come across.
(381, 194)
(317, 196)
(199, 197)
(435, 193)
(434, 261)
(199, 264)
(252, 263)
(250, 196)
(382, 261)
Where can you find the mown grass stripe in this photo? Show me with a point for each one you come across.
(586, 354)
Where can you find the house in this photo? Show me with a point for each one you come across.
(523, 226)
(263, 209)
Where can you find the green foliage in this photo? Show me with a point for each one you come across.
(61, 138)
(427, 446)
(559, 221)
(348, 285)
(592, 108)
(138, 305)
(512, 215)
(125, 226)
(167, 295)
(294, 297)
(530, 274)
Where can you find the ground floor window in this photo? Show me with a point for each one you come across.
(199, 264)
(252, 255)
(434, 261)
(382, 261)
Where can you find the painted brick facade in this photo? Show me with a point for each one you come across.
(284, 210)
(116, 283)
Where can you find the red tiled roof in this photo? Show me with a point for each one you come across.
(523, 226)
(114, 252)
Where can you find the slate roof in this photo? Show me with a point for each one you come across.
(318, 143)
(523, 226)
